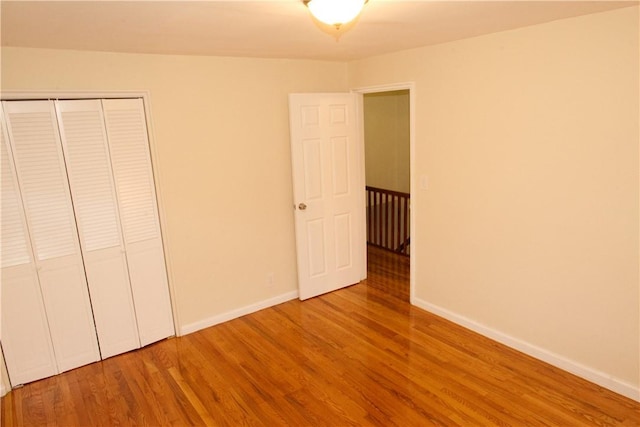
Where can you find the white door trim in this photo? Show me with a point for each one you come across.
(411, 87)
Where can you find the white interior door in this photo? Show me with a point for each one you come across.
(25, 333)
(84, 142)
(35, 143)
(129, 148)
(327, 191)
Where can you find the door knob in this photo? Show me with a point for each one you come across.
(302, 206)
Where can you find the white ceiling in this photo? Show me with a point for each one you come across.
(267, 28)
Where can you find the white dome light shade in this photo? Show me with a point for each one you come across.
(335, 12)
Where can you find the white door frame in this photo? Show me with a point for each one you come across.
(410, 86)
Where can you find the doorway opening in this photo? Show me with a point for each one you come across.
(387, 131)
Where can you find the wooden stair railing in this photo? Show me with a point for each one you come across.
(388, 219)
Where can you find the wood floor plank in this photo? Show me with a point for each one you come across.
(466, 410)
(358, 356)
(89, 391)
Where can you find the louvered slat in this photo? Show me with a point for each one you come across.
(88, 163)
(132, 170)
(44, 183)
(13, 235)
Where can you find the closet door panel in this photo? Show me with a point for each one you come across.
(153, 307)
(35, 143)
(25, 338)
(129, 149)
(25, 335)
(94, 200)
(70, 317)
(112, 303)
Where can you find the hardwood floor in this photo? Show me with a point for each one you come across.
(388, 272)
(353, 357)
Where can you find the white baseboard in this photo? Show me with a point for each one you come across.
(233, 314)
(607, 381)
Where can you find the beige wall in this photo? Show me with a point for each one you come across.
(529, 139)
(386, 135)
(222, 142)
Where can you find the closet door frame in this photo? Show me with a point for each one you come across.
(11, 95)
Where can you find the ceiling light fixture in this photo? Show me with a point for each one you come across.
(335, 12)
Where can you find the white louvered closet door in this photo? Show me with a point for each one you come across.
(25, 335)
(35, 142)
(94, 199)
(131, 162)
